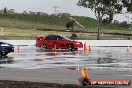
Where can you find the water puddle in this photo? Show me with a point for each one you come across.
(100, 58)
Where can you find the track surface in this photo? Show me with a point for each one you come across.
(62, 66)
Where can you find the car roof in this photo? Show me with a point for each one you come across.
(53, 35)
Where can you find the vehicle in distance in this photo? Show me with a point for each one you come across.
(5, 48)
(57, 41)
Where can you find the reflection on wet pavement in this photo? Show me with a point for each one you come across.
(6, 60)
(100, 58)
(104, 60)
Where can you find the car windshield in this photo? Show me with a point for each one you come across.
(65, 38)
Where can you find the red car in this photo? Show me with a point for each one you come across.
(57, 41)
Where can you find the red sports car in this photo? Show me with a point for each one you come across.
(57, 41)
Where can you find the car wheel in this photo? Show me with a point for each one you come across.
(70, 47)
(43, 46)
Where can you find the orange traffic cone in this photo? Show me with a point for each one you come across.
(85, 47)
(89, 48)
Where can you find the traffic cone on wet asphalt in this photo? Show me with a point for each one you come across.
(89, 48)
(128, 49)
(85, 47)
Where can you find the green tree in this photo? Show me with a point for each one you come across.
(102, 8)
(128, 5)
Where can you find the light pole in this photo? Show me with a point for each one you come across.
(56, 9)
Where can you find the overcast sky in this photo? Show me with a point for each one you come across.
(46, 6)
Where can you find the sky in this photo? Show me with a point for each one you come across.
(46, 6)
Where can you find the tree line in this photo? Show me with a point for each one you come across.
(105, 10)
(44, 18)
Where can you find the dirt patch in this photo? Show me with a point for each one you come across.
(24, 84)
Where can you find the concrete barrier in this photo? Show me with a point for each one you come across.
(19, 42)
(116, 43)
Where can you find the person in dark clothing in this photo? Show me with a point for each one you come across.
(74, 36)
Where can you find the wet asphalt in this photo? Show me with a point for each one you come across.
(29, 63)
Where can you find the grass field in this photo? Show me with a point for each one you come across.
(17, 33)
(21, 29)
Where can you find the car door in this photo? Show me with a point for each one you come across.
(55, 43)
(60, 42)
(49, 41)
(52, 41)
